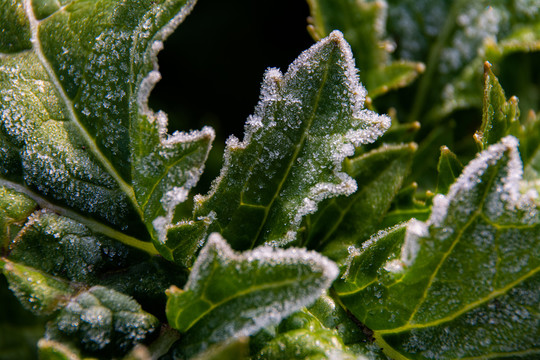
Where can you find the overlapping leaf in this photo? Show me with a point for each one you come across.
(75, 126)
(499, 116)
(14, 210)
(233, 295)
(454, 39)
(306, 123)
(345, 221)
(65, 249)
(323, 330)
(465, 283)
(54, 257)
(364, 25)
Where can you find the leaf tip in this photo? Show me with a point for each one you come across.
(420, 67)
(173, 290)
(487, 67)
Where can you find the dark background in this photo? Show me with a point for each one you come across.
(213, 64)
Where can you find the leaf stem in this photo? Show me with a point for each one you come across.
(90, 223)
(387, 349)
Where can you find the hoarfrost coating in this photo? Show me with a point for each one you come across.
(116, 157)
(256, 305)
(306, 123)
(506, 198)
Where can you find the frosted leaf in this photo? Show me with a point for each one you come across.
(463, 277)
(36, 291)
(468, 33)
(476, 24)
(65, 248)
(75, 123)
(231, 294)
(101, 319)
(306, 123)
(345, 221)
(364, 24)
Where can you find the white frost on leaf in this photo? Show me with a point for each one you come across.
(169, 201)
(171, 145)
(355, 251)
(476, 25)
(305, 287)
(503, 198)
(288, 107)
(415, 230)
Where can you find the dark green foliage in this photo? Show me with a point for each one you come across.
(332, 232)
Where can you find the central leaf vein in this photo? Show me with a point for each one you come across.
(34, 26)
(297, 150)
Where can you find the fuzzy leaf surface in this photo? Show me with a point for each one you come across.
(499, 116)
(101, 320)
(483, 235)
(37, 291)
(344, 221)
(71, 252)
(232, 294)
(322, 330)
(448, 169)
(306, 123)
(75, 127)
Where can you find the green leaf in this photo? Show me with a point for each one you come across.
(407, 205)
(499, 117)
(53, 350)
(346, 221)
(38, 292)
(472, 33)
(449, 168)
(102, 320)
(365, 263)
(465, 283)
(232, 294)
(321, 331)
(14, 209)
(399, 133)
(306, 344)
(236, 349)
(75, 126)
(66, 249)
(356, 337)
(331, 315)
(529, 138)
(363, 25)
(424, 167)
(529, 146)
(63, 247)
(20, 329)
(15, 28)
(306, 123)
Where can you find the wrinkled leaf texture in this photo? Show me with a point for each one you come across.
(465, 283)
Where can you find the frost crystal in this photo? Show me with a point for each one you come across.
(91, 142)
(505, 200)
(263, 286)
(415, 230)
(306, 123)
